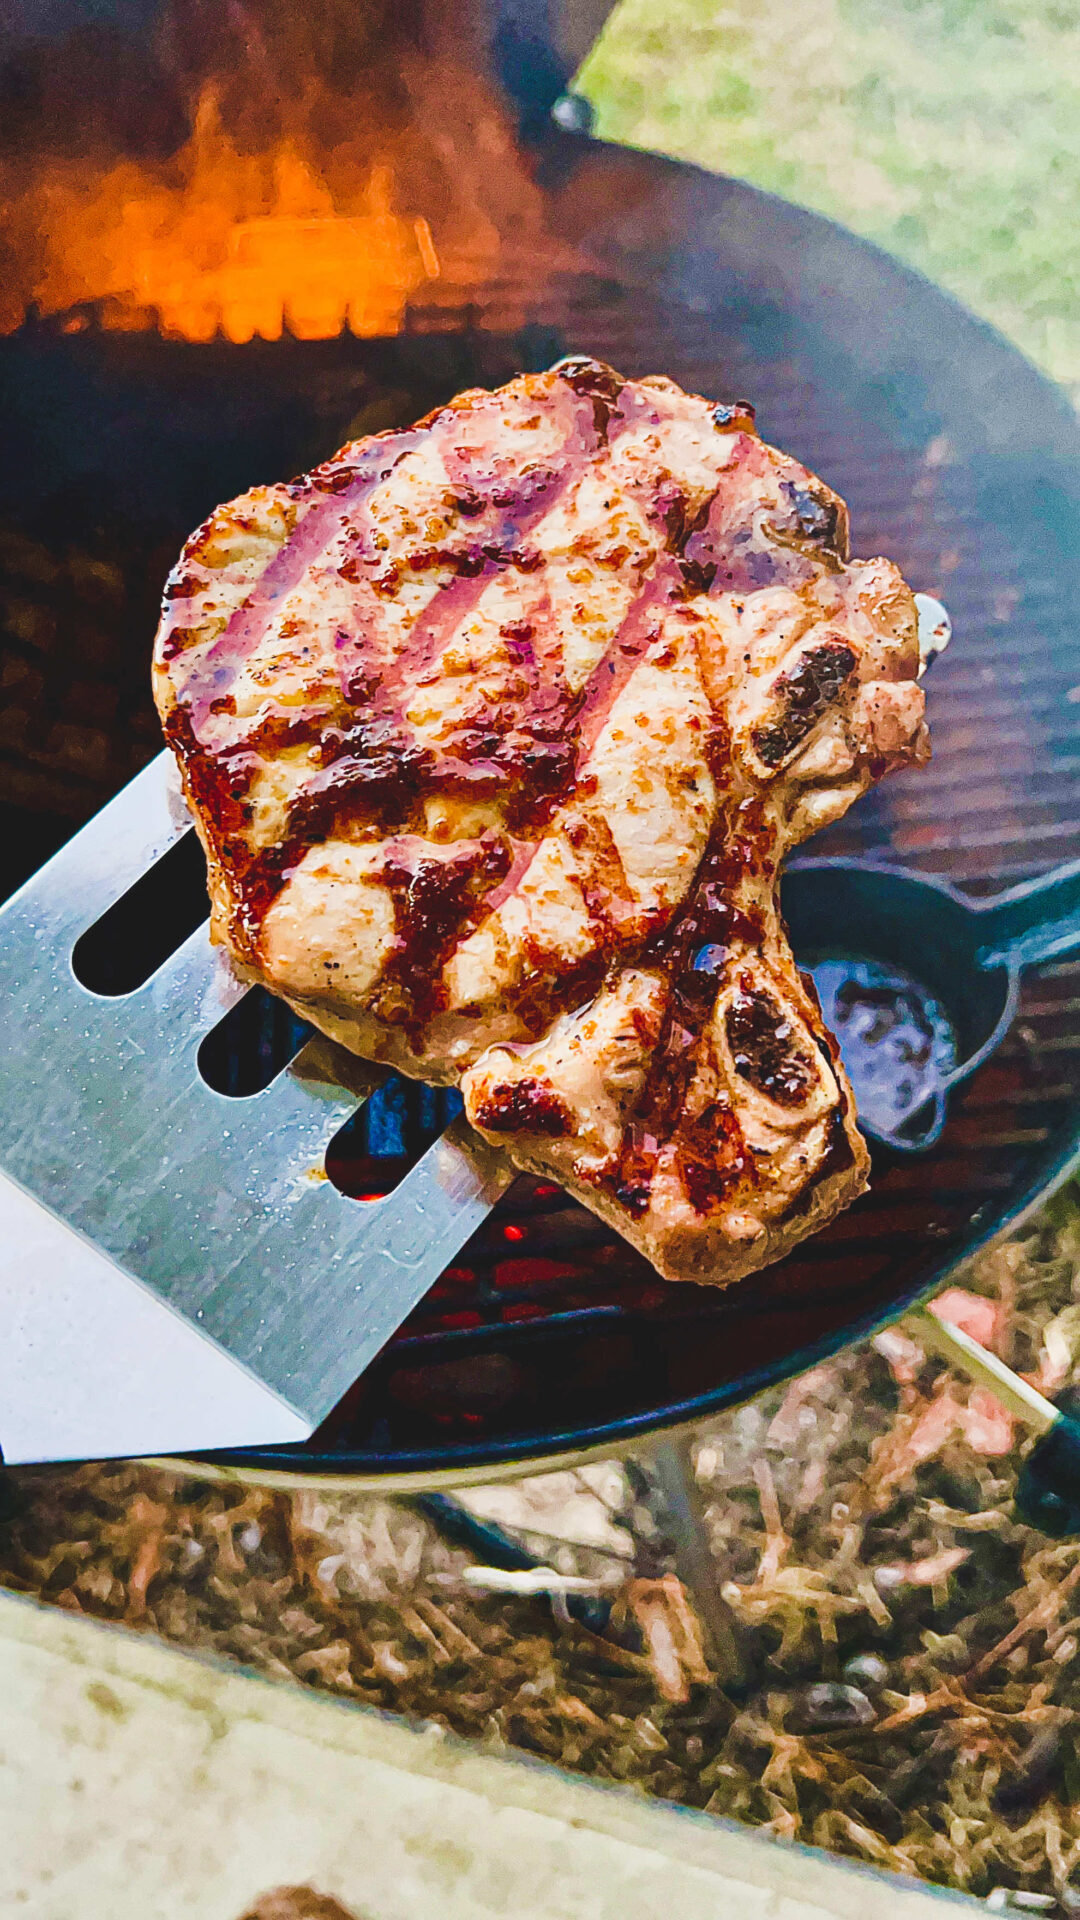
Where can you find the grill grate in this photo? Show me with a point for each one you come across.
(957, 460)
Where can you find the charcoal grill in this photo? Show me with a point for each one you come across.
(548, 1338)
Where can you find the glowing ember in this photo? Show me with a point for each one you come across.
(223, 241)
(265, 167)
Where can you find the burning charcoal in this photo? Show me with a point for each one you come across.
(830, 1707)
(867, 1671)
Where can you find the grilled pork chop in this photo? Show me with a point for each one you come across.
(496, 732)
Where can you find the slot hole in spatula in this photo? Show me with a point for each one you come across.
(251, 1045)
(136, 935)
(378, 1145)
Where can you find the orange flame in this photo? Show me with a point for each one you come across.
(223, 242)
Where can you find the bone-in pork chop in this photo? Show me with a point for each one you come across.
(496, 732)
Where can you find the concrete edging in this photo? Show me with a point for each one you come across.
(140, 1783)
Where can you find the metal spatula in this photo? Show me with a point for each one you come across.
(176, 1273)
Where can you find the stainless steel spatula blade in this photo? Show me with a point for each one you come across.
(93, 1364)
(176, 1272)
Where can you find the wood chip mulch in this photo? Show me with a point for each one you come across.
(913, 1682)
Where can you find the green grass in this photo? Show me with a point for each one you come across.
(946, 130)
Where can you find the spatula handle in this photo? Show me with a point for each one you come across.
(1038, 921)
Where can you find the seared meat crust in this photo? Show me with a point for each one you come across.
(496, 732)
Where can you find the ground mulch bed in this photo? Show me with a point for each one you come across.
(911, 1686)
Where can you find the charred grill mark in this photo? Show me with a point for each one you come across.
(800, 697)
(696, 947)
(737, 416)
(566, 729)
(384, 776)
(681, 517)
(743, 565)
(220, 789)
(473, 565)
(345, 486)
(836, 1159)
(632, 1176)
(525, 1106)
(467, 503)
(697, 575)
(696, 950)
(817, 517)
(431, 633)
(218, 792)
(514, 492)
(217, 788)
(372, 760)
(552, 985)
(515, 507)
(764, 1051)
(520, 743)
(183, 586)
(638, 630)
(177, 640)
(539, 722)
(435, 903)
(729, 551)
(220, 782)
(479, 557)
(594, 381)
(478, 761)
(470, 561)
(713, 1157)
(611, 906)
(285, 727)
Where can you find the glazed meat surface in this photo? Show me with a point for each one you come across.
(496, 732)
